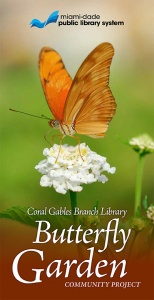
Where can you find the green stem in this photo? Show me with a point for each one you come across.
(73, 198)
(138, 184)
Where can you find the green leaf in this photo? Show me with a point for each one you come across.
(20, 214)
(145, 202)
(96, 204)
(138, 212)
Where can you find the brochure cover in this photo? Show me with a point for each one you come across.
(77, 210)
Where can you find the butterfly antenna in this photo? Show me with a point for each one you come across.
(21, 112)
(43, 116)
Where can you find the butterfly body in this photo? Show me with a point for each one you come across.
(64, 129)
(86, 104)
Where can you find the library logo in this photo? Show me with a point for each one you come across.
(75, 20)
(51, 19)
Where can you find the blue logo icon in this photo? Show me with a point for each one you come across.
(51, 19)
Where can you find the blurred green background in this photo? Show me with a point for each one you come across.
(131, 82)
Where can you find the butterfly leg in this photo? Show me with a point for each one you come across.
(61, 139)
(78, 139)
(54, 136)
(45, 136)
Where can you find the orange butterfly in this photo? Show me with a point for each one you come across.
(86, 104)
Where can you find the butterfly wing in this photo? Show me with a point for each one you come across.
(90, 103)
(55, 80)
(96, 113)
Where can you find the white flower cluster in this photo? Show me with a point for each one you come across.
(143, 144)
(150, 213)
(68, 167)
